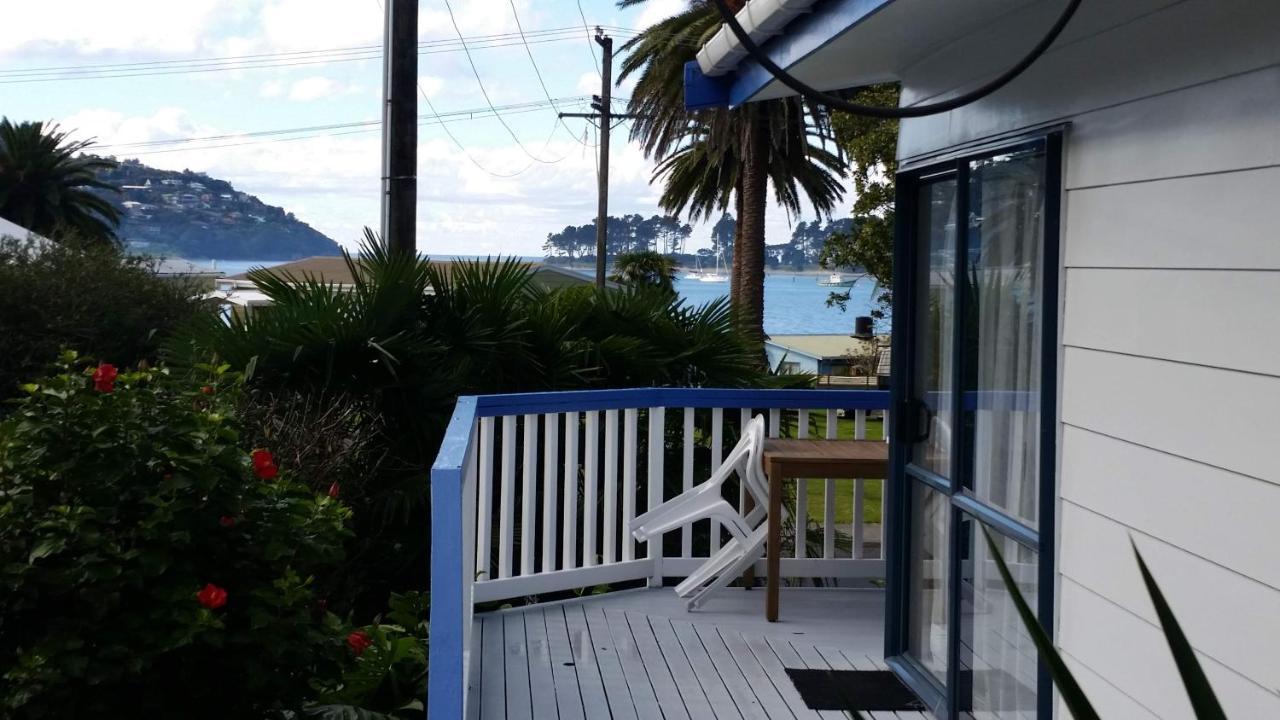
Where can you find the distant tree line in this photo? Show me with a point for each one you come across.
(665, 235)
(627, 234)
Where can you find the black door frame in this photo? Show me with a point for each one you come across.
(945, 701)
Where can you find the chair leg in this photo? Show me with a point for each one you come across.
(728, 575)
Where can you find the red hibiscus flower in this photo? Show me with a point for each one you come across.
(264, 466)
(359, 641)
(104, 378)
(227, 521)
(212, 596)
(334, 490)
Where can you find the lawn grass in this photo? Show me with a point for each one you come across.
(872, 489)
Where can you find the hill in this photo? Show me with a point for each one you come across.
(189, 214)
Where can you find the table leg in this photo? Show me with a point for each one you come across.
(774, 549)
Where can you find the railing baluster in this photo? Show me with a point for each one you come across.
(484, 500)
(590, 490)
(859, 487)
(717, 457)
(506, 508)
(802, 494)
(829, 496)
(569, 522)
(550, 489)
(655, 472)
(686, 479)
(629, 462)
(610, 486)
(744, 417)
(529, 503)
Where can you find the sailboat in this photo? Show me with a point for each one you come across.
(713, 276)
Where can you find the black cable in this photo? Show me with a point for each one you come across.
(837, 103)
(485, 93)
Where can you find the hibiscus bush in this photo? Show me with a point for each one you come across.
(152, 566)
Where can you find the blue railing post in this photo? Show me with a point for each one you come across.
(450, 586)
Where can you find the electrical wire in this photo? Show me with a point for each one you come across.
(443, 123)
(590, 43)
(529, 51)
(300, 58)
(467, 114)
(837, 103)
(483, 91)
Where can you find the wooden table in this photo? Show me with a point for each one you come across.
(788, 458)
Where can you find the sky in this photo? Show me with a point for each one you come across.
(497, 186)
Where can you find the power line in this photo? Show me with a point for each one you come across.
(590, 43)
(349, 128)
(483, 91)
(536, 71)
(301, 58)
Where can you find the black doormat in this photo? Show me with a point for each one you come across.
(869, 690)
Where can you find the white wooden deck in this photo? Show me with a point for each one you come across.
(639, 654)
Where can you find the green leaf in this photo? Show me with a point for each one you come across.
(344, 712)
(46, 547)
(1203, 699)
(1072, 695)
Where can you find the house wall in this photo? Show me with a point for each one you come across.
(1170, 348)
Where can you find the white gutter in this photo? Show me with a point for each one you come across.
(762, 19)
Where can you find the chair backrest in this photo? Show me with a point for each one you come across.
(757, 483)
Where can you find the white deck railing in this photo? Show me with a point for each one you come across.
(533, 494)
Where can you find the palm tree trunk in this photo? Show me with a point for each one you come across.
(735, 270)
(755, 180)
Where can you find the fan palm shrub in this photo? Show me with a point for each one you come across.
(50, 187)
(645, 267)
(410, 336)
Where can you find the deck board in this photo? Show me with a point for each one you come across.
(563, 666)
(493, 678)
(542, 685)
(664, 684)
(642, 695)
(640, 655)
(584, 658)
(621, 704)
(515, 643)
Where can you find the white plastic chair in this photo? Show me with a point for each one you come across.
(746, 544)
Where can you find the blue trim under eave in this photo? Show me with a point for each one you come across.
(801, 38)
(702, 91)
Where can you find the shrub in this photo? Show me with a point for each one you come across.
(409, 337)
(95, 299)
(149, 565)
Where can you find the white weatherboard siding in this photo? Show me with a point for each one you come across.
(1170, 352)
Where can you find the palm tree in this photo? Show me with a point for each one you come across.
(645, 268)
(709, 158)
(47, 189)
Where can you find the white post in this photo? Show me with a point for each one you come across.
(550, 489)
(656, 471)
(529, 503)
(506, 509)
(569, 547)
(484, 497)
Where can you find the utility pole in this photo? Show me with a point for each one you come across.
(400, 125)
(601, 104)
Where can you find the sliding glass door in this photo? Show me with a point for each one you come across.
(975, 336)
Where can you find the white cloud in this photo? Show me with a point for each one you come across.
(658, 10)
(89, 27)
(312, 88)
(313, 24)
(271, 89)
